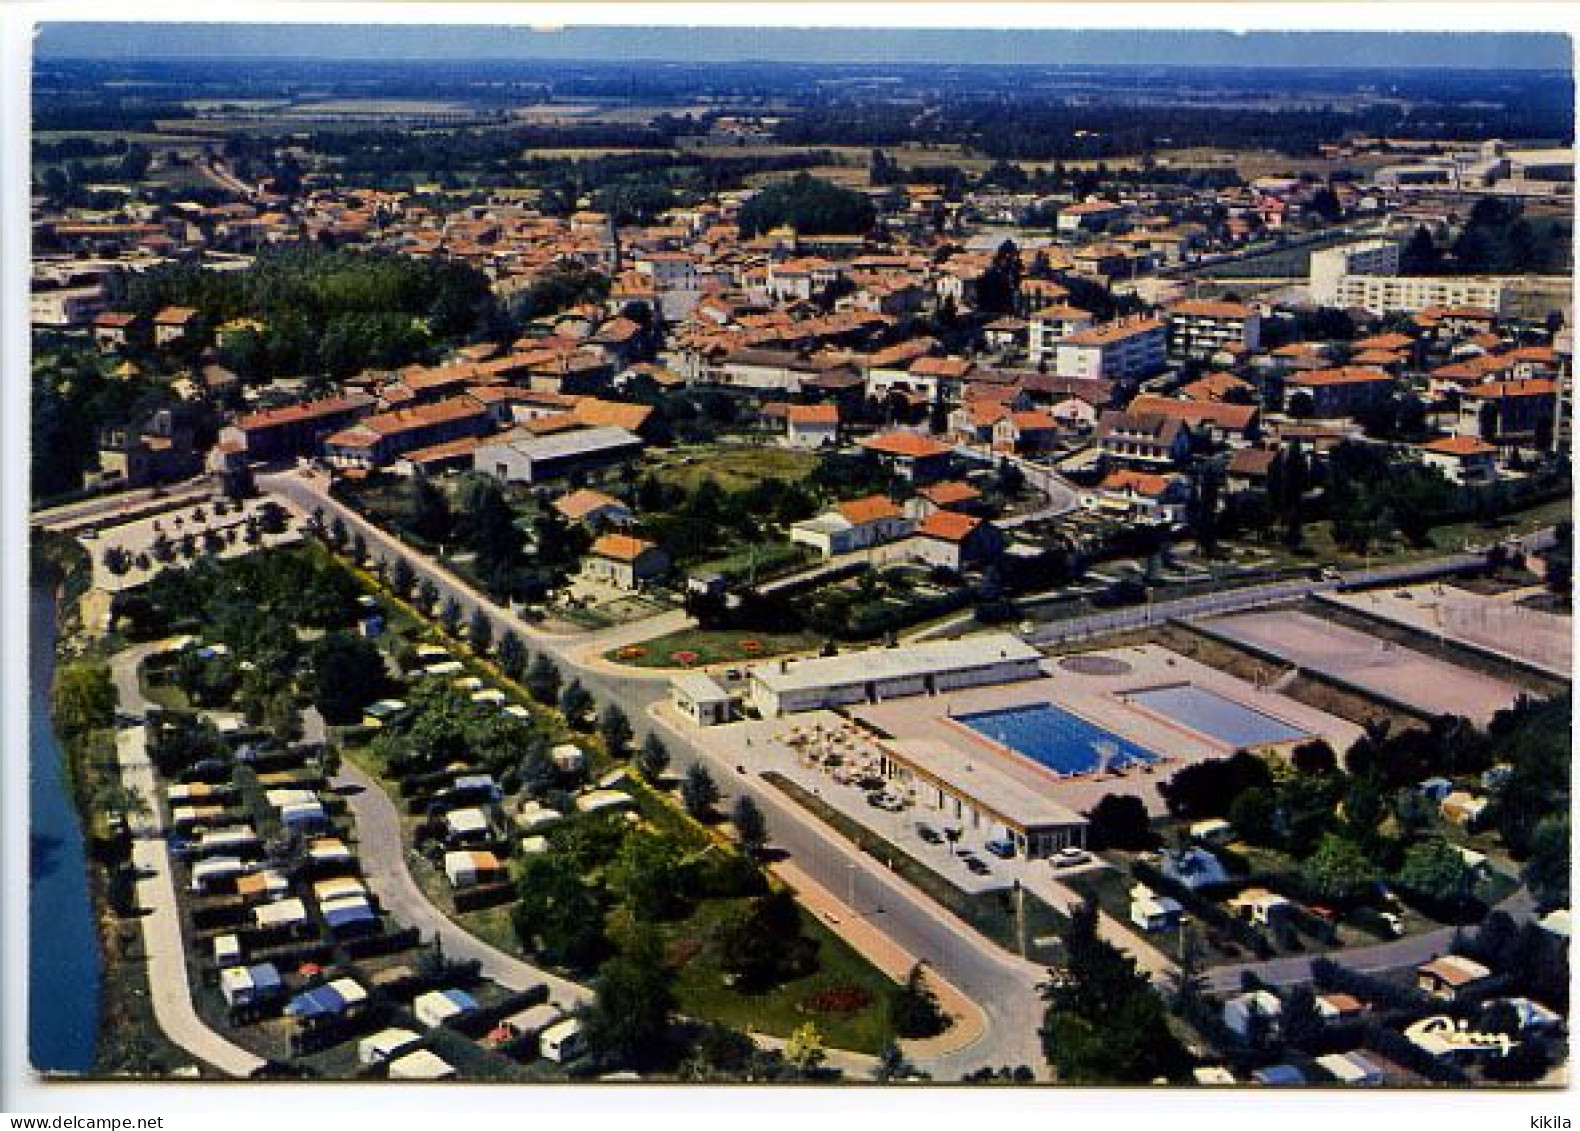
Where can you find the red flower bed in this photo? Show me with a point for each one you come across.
(684, 657)
(751, 646)
(682, 951)
(838, 999)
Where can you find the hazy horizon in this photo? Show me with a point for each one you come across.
(1328, 50)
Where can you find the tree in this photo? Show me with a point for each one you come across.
(558, 915)
(628, 1020)
(342, 675)
(480, 631)
(805, 1049)
(615, 730)
(699, 792)
(1338, 871)
(83, 699)
(575, 703)
(427, 594)
(653, 759)
(764, 945)
(913, 1007)
(450, 615)
(1120, 821)
(647, 876)
(543, 679)
(892, 1065)
(430, 519)
(118, 560)
(1434, 870)
(810, 205)
(512, 655)
(1546, 873)
(1420, 256)
(1254, 815)
(401, 576)
(751, 829)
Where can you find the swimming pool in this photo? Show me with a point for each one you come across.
(1062, 742)
(1209, 713)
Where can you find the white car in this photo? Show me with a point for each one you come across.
(1069, 857)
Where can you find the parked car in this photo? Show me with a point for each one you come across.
(1003, 849)
(976, 867)
(929, 834)
(1069, 858)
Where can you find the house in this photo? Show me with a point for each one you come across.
(520, 456)
(1051, 324)
(1463, 807)
(594, 509)
(951, 495)
(1252, 1012)
(469, 869)
(1463, 459)
(1141, 495)
(624, 561)
(1260, 906)
(1025, 433)
(380, 439)
(299, 429)
(1508, 412)
(1341, 391)
(856, 524)
(811, 426)
(955, 541)
(1147, 443)
(910, 455)
(1249, 469)
(698, 697)
(1153, 912)
(1094, 215)
(113, 329)
(1217, 421)
(1450, 976)
(1339, 1007)
(174, 323)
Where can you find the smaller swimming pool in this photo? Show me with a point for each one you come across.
(1062, 742)
(1209, 713)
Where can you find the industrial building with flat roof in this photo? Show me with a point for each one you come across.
(791, 686)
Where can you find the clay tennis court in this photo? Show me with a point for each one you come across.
(1368, 664)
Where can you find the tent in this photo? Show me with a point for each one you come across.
(216, 870)
(338, 888)
(285, 797)
(348, 913)
(329, 850)
(466, 824)
(385, 1044)
(467, 869)
(329, 1000)
(561, 1041)
(435, 1007)
(304, 816)
(421, 1065)
(227, 951)
(568, 757)
(248, 985)
(285, 913)
(600, 800)
(264, 884)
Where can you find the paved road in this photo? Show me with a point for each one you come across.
(1062, 497)
(170, 990)
(1004, 985)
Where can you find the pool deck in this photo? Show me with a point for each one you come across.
(1095, 699)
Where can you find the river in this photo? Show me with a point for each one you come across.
(64, 965)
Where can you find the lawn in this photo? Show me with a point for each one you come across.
(696, 647)
(734, 467)
(701, 992)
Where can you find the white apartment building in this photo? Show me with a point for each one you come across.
(1114, 351)
(1199, 328)
(1050, 324)
(1331, 265)
(1381, 294)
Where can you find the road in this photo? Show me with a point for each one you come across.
(170, 990)
(1005, 986)
(117, 507)
(1061, 496)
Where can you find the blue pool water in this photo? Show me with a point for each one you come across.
(1209, 713)
(1057, 739)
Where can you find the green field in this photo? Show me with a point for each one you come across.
(733, 467)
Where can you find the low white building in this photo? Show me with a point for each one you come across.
(1244, 1012)
(785, 687)
(699, 697)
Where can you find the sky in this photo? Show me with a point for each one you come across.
(1517, 51)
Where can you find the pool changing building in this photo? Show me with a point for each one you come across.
(788, 687)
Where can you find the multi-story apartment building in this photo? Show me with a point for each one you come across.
(1125, 350)
(1050, 324)
(1199, 328)
(1333, 264)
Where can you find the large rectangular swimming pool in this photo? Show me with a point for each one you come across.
(1206, 712)
(1062, 742)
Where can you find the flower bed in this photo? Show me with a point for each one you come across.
(685, 657)
(838, 999)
